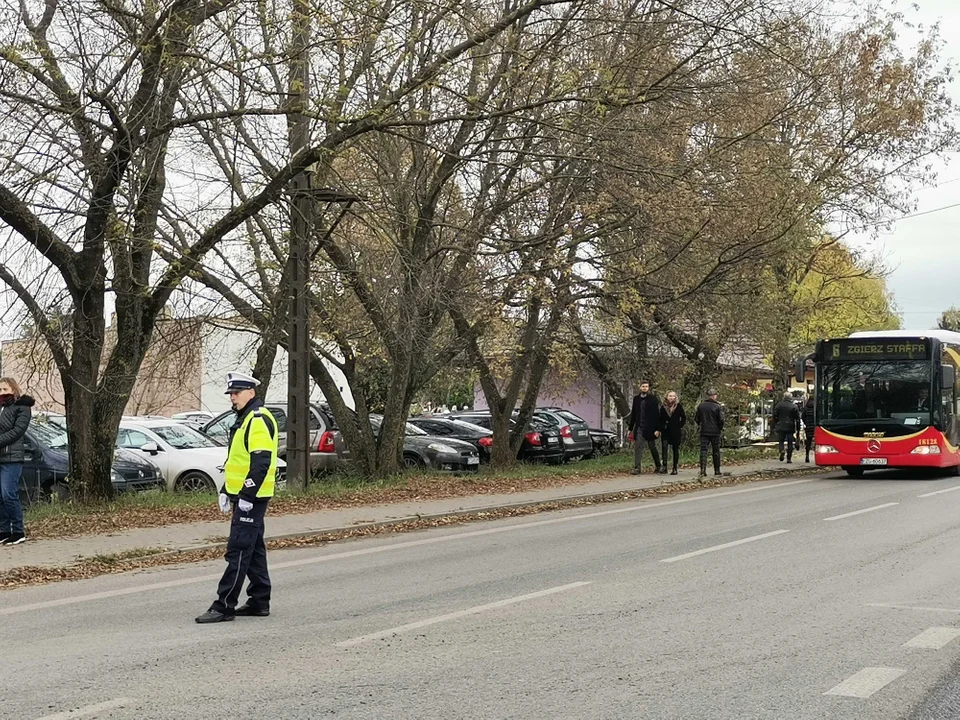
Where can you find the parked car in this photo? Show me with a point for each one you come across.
(421, 450)
(573, 429)
(47, 462)
(479, 437)
(191, 461)
(323, 454)
(605, 442)
(541, 442)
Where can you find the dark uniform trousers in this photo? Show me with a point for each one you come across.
(246, 557)
(709, 442)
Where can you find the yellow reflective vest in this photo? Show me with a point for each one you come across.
(256, 434)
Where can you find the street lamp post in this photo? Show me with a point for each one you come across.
(303, 219)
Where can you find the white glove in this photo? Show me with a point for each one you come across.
(224, 502)
(244, 505)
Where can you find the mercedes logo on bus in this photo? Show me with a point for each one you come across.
(873, 446)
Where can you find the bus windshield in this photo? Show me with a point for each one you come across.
(875, 390)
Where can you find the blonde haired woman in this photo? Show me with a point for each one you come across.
(15, 413)
(672, 419)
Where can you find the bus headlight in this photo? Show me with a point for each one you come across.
(825, 449)
(926, 450)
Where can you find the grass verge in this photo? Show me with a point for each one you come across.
(145, 510)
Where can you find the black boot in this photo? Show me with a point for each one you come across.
(674, 470)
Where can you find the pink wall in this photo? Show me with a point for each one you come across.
(584, 396)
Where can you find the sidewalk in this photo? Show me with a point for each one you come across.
(60, 552)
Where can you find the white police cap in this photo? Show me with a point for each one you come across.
(240, 381)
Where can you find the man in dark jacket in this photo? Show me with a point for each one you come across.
(786, 423)
(710, 419)
(644, 424)
(809, 417)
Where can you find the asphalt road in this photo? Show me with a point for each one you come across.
(819, 597)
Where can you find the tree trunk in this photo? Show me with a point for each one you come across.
(503, 454)
(266, 356)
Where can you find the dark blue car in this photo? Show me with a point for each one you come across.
(46, 464)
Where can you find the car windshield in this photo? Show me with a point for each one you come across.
(377, 420)
(464, 425)
(52, 436)
(898, 391)
(569, 416)
(183, 437)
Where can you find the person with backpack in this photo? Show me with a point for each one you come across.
(786, 423)
(672, 420)
(710, 419)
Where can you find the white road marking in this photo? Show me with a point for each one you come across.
(457, 615)
(13, 610)
(724, 546)
(934, 638)
(866, 682)
(860, 512)
(940, 492)
(90, 711)
(921, 608)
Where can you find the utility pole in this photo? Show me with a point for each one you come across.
(301, 228)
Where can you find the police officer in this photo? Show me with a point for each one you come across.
(249, 479)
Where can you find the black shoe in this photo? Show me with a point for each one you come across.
(251, 611)
(789, 461)
(781, 457)
(214, 616)
(636, 471)
(14, 539)
(663, 470)
(4, 536)
(674, 472)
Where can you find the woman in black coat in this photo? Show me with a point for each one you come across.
(672, 420)
(15, 415)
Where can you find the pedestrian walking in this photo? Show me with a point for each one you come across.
(786, 423)
(672, 420)
(250, 476)
(644, 424)
(15, 413)
(809, 417)
(710, 419)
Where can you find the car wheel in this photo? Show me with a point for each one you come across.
(195, 482)
(413, 462)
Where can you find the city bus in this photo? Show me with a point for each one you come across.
(887, 399)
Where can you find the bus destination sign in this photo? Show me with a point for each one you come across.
(876, 349)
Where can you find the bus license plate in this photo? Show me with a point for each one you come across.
(873, 461)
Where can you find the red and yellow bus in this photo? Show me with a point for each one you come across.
(888, 399)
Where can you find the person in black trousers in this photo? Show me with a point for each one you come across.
(786, 422)
(644, 424)
(672, 420)
(710, 419)
(809, 417)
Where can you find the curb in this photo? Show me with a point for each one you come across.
(598, 497)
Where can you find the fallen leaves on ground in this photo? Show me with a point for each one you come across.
(145, 558)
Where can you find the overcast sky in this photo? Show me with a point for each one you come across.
(923, 251)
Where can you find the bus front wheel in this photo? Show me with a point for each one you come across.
(854, 471)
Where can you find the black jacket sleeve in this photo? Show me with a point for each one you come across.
(681, 416)
(20, 424)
